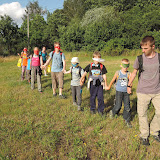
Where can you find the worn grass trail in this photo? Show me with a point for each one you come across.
(40, 126)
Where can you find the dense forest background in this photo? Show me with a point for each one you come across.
(84, 25)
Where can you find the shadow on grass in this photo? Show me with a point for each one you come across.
(48, 79)
(133, 108)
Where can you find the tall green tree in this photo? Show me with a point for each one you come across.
(101, 24)
(74, 8)
(54, 21)
(33, 9)
(8, 35)
(72, 36)
(37, 26)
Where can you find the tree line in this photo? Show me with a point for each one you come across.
(84, 25)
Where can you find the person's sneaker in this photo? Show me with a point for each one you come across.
(111, 114)
(128, 124)
(74, 103)
(93, 112)
(145, 141)
(46, 75)
(157, 138)
(79, 108)
(54, 94)
(62, 97)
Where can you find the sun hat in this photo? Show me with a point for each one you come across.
(75, 60)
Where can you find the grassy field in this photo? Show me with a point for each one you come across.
(40, 126)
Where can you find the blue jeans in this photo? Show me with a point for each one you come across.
(122, 96)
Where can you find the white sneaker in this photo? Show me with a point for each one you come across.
(78, 108)
(74, 103)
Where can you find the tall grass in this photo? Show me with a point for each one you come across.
(40, 126)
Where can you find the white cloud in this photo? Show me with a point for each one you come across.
(14, 10)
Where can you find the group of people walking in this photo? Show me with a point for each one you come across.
(148, 65)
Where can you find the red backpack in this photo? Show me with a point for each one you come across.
(101, 67)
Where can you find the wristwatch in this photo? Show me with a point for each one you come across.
(129, 86)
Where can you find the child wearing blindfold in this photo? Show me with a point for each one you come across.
(35, 63)
(57, 69)
(76, 73)
(24, 55)
(122, 78)
(97, 81)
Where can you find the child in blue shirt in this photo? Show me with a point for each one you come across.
(43, 53)
(122, 78)
(29, 69)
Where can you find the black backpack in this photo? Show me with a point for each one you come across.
(140, 60)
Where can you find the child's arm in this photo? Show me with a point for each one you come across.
(64, 66)
(49, 59)
(41, 60)
(112, 81)
(67, 72)
(131, 79)
(105, 81)
(83, 78)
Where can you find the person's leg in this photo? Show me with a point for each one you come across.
(118, 103)
(23, 71)
(79, 95)
(39, 80)
(32, 77)
(29, 76)
(155, 124)
(100, 99)
(127, 109)
(45, 72)
(142, 105)
(60, 80)
(54, 82)
(73, 88)
(93, 94)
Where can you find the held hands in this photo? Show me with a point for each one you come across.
(82, 81)
(129, 91)
(107, 88)
(64, 71)
(43, 66)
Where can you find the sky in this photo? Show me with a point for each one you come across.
(16, 8)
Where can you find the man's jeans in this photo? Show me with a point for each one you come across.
(122, 96)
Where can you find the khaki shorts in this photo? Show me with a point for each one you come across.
(57, 78)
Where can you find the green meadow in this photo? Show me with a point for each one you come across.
(40, 126)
